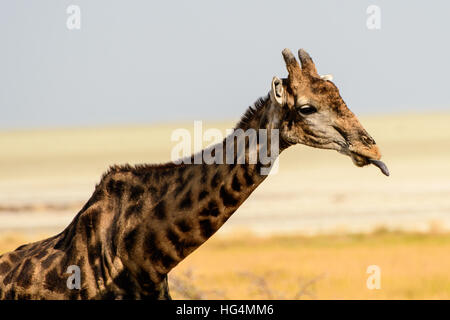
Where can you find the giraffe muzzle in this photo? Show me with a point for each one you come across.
(363, 160)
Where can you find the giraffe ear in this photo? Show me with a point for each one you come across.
(328, 77)
(278, 92)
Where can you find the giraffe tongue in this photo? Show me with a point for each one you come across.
(381, 166)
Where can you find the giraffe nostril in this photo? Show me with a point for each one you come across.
(368, 140)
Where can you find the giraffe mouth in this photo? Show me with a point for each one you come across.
(361, 160)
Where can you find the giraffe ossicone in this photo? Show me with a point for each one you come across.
(142, 220)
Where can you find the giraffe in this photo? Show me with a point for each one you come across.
(142, 220)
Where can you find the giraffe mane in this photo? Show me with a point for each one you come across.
(252, 112)
(140, 168)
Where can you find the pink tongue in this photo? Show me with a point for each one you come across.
(381, 165)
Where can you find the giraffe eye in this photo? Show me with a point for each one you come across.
(306, 109)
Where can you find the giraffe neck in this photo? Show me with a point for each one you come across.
(199, 198)
(140, 222)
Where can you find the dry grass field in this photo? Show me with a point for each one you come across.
(413, 266)
(306, 232)
(245, 266)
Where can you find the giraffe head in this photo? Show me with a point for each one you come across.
(312, 112)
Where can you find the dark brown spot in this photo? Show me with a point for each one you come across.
(263, 123)
(55, 282)
(152, 190)
(160, 210)
(145, 281)
(167, 261)
(212, 209)
(41, 254)
(125, 281)
(13, 257)
(183, 225)
(81, 262)
(215, 180)
(26, 274)
(84, 294)
(202, 195)
(182, 246)
(227, 198)
(204, 174)
(248, 178)
(189, 176)
(116, 188)
(206, 228)
(94, 215)
(74, 295)
(94, 252)
(136, 192)
(70, 253)
(4, 267)
(134, 209)
(84, 228)
(155, 254)
(24, 296)
(163, 189)
(173, 237)
(130, 240)
(186, 203)
(150, 242)
(11, 275)
(235, 184)
(179, 182)
(146, 176)
(10, 294)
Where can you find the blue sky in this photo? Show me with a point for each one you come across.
(142, 62)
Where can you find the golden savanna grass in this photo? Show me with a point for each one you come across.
(325, 208)
(413, 266)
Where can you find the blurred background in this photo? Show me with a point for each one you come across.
(75, 101)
